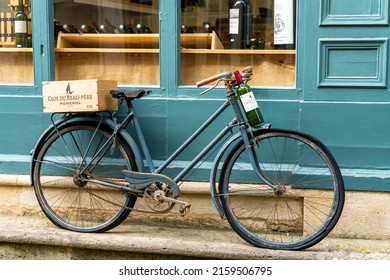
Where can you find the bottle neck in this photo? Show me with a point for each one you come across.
(21, 6)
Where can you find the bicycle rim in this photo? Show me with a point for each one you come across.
(306, 203)
(69, 201)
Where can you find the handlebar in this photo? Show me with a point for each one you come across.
(213, 78)
(225, 75)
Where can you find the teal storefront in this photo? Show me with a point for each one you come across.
(331, 82)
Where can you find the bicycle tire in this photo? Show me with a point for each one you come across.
(67, 200)
(307, 203)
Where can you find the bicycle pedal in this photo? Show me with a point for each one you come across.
(185, 209)
(160, 197)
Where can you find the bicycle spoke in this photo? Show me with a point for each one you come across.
(65, 196)
(304, 206)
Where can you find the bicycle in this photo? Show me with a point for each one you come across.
(277, 188)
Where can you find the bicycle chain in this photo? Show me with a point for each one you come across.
(123, 206)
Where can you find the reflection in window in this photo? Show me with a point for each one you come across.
(15, 42)
(111, 40)
(219, 36)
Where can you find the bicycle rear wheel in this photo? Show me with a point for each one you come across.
(60, 185)
(306, 199)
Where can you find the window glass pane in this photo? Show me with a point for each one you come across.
(15, 42)
(219, 36)
(112, 40)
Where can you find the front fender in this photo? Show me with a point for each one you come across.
(214, 170)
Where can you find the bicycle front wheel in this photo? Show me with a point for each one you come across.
(63, 185)
(289, 198)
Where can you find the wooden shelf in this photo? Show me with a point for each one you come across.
(134, 41)
(241, 52)
(209, 41)
(81, 40)
(15, 50)
(106, 50)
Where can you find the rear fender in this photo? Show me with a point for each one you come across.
(82, 119)
(214, 172)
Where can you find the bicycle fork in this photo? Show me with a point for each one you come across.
(249, 141)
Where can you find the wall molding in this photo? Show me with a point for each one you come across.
(353, 62)
(336, 12)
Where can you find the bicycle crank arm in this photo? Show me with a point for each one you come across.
(184, 205)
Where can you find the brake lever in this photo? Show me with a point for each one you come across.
(210, 88)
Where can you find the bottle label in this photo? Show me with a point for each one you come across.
(283, 22)
(249, 102)
(234, 21)
(20, 26)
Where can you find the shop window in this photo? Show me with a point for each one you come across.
(15, 42)
(112, 40)
(219, 36)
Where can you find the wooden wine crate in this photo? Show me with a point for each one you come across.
(79, 96)
(7, 37)
(7, 29)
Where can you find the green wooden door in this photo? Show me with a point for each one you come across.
(344, 76)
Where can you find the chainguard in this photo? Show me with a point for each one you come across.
(140, 181)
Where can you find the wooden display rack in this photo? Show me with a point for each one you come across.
(7, 38)
(135, 41)
(75, 53)
(140, 50)
(7, 26)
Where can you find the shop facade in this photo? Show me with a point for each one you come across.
(327, 76)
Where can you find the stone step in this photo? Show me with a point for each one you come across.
(25, 233)
(34, 237)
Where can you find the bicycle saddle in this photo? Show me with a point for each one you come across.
(128, 94)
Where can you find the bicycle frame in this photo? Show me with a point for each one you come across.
(238, 121)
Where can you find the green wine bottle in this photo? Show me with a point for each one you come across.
(249, 103)
(123, 28)
(21, 26)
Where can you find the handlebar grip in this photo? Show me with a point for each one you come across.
(247, 69)
(212, 79)
(206, 81)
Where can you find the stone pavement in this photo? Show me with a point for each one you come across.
(34, 237)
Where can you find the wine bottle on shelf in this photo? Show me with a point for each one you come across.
(88, 29)
(105, 29)
(123, 28)
(248, 100)
(21, 26)
(258, 44)
(57, 28)
(143, 28)
(111, 27)
(187, 29)
(284, 24)
(207, 27)
(68, 28)
(97, 28)
(240, 24)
